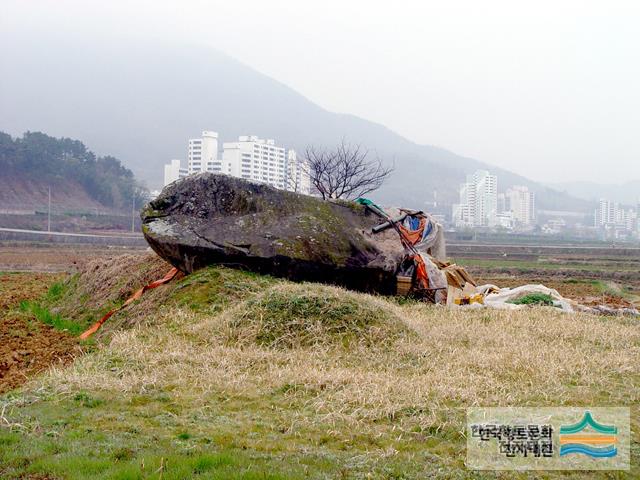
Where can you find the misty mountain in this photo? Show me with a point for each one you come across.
(141, 102)
(626, 193)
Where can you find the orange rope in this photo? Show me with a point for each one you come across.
(96, 326)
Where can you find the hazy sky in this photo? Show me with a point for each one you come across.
(548, 89)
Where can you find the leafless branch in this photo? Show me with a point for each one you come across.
(344, 172)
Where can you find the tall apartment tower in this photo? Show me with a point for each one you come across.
(486, 198)
(202, 155)
(251, 158)
(263, 161)
(464, 212)
(607, 213)
(478, 205)
(521, 203)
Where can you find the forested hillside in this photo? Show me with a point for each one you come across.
(34, 162)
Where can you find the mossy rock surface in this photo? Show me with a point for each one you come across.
(216, 219)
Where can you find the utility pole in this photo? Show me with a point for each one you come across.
(49, 212)
(133, 212)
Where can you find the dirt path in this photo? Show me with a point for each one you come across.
(28, 346)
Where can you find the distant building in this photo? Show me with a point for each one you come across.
(521, 203)
(554, 226)
(173, 171)
(463, 214)
(250, 157)
(615, 221)
(297, 174)
(502, 203)
(263, 161)
(478, 205)
(202, 155)
(606, 213)
(505, 220)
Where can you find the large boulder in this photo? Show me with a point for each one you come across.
(209, 219)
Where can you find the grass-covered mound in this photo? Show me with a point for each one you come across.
(229, 374)
(294, 316)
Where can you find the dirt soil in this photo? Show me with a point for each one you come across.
(583, 291)
(54, 258)
(566, 289)
(28, 346)
(595, 273)
(608, 300)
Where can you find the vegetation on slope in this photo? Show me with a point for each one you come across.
(39, 156)
(193, 382)
(296, 316)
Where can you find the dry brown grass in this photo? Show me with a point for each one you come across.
(303, 371)
(114, 277)
(306, 315)
(103, 283)
(452, 359)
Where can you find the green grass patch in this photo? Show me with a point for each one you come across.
(534, 299)
(114, 441)
(211, 289)
(86, 400)
(55, 320)
(612, 289)
(56, 291)
(581, 281)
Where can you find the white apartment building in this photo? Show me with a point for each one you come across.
(173, 171)
(521, 203)
(616, 221)
(505, 220)
(607, 213)
(202, 154)
(251, 158)
(478, 205)
(263, 161)
(464, 212)
(255, 159)
(486, 198)
(297, 174)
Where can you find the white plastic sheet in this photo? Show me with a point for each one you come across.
(504, 296)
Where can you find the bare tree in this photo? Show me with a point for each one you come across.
(344, 172)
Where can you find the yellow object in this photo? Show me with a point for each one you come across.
(590, 439)
(477, 298)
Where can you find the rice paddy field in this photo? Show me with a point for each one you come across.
(228, 374)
